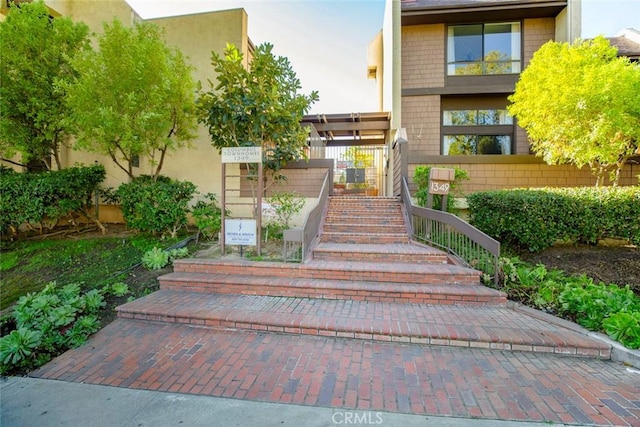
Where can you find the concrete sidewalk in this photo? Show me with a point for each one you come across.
(31, 402)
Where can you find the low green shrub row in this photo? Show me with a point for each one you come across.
(40, 200)
(600, 307)
(535, 219)
(51, 321)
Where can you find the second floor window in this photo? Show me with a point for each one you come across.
(479, 49)
(477, 131)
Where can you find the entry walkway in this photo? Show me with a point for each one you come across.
(350, 374)
(48, 402)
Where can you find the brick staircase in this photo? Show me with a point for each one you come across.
(366, 280)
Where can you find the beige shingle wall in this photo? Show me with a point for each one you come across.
(423, 56)
(536, 32)
(421, 118)
(498, 176)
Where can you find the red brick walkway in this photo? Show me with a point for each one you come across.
(358, 374)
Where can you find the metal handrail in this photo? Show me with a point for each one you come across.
(457, 237)
(311, 226)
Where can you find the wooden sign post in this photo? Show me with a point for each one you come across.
(440, 183)
(241, 231)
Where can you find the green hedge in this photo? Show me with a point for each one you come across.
(157, 207)
(535, 219)
(40, 200)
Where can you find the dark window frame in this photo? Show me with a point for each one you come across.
(482, 61)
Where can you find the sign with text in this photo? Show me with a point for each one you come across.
(242, 155)
(240, 232)
(440, 180)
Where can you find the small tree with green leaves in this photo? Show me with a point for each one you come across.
(258, 105)
(35, 51)
(580, 104)
(135, 97)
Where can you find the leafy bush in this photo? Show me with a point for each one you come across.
(207, 216)
(40, 200)
(599, 307)
(590, 304)
(624, 327)
(535, 219)
(286, 205)
(157, 207)
(421, 179)
(48, 323)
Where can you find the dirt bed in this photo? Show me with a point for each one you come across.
(619, 263)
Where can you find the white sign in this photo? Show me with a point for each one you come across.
(240, 232)
(241, 154)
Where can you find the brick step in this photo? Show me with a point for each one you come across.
(398, 253)
(371, 238)
(363, 200)
(354, 203)
(364, 228)
(360, 219)
(462, 326)
(433, 274)
(405, 293)
(371, 213)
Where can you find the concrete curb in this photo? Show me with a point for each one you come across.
(619, 353)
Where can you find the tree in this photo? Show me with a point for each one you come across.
(580, 104)
(257, 106)
(35, 50)
(135, 96)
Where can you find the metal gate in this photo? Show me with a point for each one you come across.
(359, 170)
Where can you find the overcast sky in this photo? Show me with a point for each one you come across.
(326, 40)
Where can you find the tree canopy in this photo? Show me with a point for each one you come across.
(135, 96)
(35, 50)
(257, 106)
(580, 104)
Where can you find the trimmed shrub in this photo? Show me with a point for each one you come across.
(159, 207)
(535, 219)
(40, 200)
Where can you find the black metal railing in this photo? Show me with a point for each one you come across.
(457, 237)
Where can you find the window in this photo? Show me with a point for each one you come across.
(457, 145)
(468, 132)
(480, 49)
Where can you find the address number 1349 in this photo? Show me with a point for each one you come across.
(439, 187)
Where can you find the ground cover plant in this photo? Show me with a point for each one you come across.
(610, 308)
(57, 292)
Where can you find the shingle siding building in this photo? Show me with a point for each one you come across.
(461, 60)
